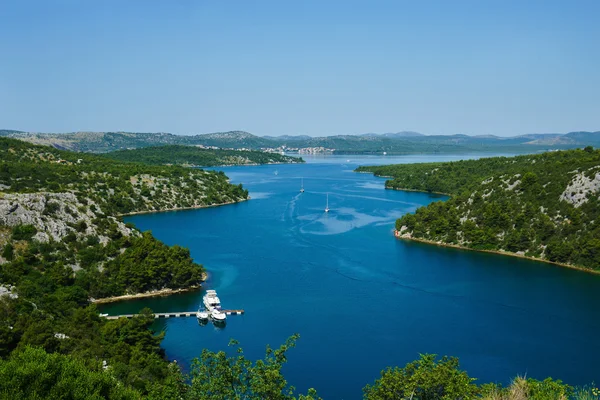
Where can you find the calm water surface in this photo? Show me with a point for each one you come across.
(360, 299)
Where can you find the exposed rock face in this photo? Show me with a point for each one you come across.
(8, 291)
(54, 215)
(579, 188)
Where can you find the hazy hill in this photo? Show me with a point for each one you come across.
(391, 143)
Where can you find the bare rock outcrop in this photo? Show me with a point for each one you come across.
(580, 187)
(54, 215)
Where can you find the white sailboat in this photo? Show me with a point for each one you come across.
(327, 204)
(302, 186)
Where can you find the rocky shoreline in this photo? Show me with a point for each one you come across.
(153, 293)
(183, 208)
(503, 253)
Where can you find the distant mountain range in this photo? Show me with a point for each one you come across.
(368, 143)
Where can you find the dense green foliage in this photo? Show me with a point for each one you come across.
(424, 379)
(400, 143)
(219, 376)
(545, 206)
(72, 249)
(34, 373)
(191, 155)
(133, 264)
(432, 379)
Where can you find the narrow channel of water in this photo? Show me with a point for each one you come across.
(361, 300)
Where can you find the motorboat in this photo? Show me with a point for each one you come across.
(202, 315)
(218, 316)
(211, 300)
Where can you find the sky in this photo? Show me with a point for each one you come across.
(300, 67)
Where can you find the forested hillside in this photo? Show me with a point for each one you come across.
(194, 156)
(545, 206)
(62, 244)
(116, 187)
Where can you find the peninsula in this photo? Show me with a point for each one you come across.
(544, 206)
(195, 156)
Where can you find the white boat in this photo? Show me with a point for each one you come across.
(202, 315)
(302, 186)
(276, 172)
(211, 300)
(327, 204)
(218, 316)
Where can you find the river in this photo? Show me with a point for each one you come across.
(360, 299)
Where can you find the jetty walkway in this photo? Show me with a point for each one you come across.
(182, 314)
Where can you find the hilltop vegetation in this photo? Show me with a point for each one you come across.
(392, 143)
(194, 156)
(34, 374)
(545, 206)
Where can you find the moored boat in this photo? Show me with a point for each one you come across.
(218, 316)
(202, 315)
(211, 300)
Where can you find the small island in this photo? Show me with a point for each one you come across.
(544, 206)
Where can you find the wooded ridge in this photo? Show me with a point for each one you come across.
(545, 206)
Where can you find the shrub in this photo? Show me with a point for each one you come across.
(23, 232)
(424, 379)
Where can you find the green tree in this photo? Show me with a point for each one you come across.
(35, 374)
(216, 376)
(424, 379)
(23, 232)
(8, 252)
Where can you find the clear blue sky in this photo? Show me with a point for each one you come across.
(300, 67)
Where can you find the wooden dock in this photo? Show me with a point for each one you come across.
(182, 314)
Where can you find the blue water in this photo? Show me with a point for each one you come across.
(360, 299)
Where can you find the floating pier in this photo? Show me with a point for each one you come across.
(183, 314)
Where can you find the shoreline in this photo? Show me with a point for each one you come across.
(182, 208)
(502, 253)
(401, 189)
(153, 293)
(417, 190)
